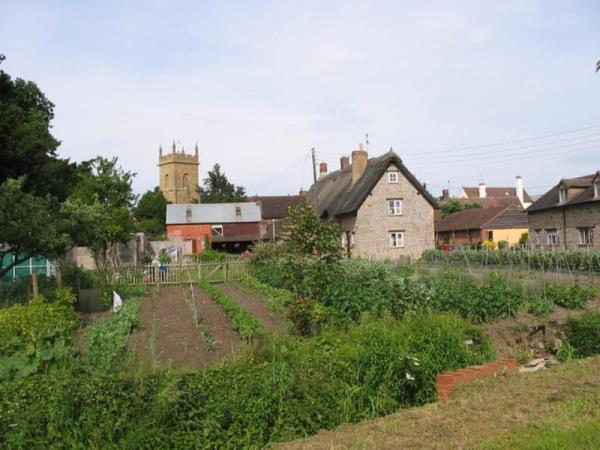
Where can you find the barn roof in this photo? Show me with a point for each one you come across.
(276, 207)
(499, 217)
(213, 213)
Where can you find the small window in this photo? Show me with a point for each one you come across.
(216, 230)
(395, 206)
(537, 237)
(585, 235)
(186, 181)
(238, 210)
(562, 194)
(396, 239)
(188, 214)
(392, 177)
(597, 189)
(552, 236)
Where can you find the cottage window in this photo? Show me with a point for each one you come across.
(597, 189)
(395, 206)
(585, 235)
(216, 230)
(396, 239)
(562, 194)
(392, 177)
(552, 236)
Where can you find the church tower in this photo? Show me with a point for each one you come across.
(178, 172)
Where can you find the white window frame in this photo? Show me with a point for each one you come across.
(552, 237)
(396, 239)
(596, 189)
(394, 206)
(393, 173)
(585, 235)
(217, 230)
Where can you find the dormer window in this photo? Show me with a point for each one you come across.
(562, 194)
(597, 189)
(238, 211)
(188, 214)
(392, 177)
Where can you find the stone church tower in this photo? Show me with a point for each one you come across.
(178, 174)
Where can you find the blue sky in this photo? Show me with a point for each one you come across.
(257, 84)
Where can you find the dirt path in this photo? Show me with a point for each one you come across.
(254, 305)
(528, 332)
(215, 322)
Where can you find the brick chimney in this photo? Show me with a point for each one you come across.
(482, 190)
(359, 163)
(322, 169)
(445, 194)
(344, 162)
(520, 188)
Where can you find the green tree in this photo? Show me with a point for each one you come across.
(30, 225)
(100, 210)
(454, 205)
(307, 235)
(218, 189)
(27, 146)
(150, 212)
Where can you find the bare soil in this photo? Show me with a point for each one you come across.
(255, 305)
(541, 335)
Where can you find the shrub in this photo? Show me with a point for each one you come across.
(502, 245)
(488, 245)
(210, 255)
(571, 296)
(36, 336)
(583, 334)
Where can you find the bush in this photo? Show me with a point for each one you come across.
(488, 245)
(36, 336)
(583, 334)
(210, 255)
(80, 278)
(571, 296)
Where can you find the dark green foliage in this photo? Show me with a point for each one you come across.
(571, 296)
(283, 390)
(583, 334)
(306, 235)
(218, 189)
(210, 255)
(79, 278)
(150, 213)
(453, 205)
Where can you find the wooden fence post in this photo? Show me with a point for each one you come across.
(34, 285)
(58, 278)
(225, 271)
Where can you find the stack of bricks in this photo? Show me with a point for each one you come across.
(446, 382)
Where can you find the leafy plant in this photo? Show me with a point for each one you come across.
(583, 334)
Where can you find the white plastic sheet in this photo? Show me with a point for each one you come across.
(117, 301)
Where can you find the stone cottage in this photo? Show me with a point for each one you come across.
(567, 216)
(384, 211)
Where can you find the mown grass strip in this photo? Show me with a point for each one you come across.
(242, 321)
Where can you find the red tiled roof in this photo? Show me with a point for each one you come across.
(500, 217)
(473, 192)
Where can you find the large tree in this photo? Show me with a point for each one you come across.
(150, 212)
(100, 209)
(453, 205)
(218, 189)
(33, 179)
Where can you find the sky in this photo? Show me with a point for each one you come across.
(463, 91)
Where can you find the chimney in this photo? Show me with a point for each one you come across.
(482, 191)
(322, 169)
(359, 163)
(520, 189)
(344, 162)
(445, 194)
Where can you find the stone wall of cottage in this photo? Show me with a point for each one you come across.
(372, 223)
(585, 215)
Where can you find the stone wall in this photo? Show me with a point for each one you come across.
(178, 177)
(372, 222)
(584, 215)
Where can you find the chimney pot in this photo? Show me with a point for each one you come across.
(482, 190)
(344, 162)
(359, 163)
(322, 169)
(520, 190)
(445, 194)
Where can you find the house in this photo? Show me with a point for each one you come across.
(493, 197)
(274, 209)
(472, 227)
(566, 216)
(384, 211)
(227, 226)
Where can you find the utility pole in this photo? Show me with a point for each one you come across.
(314, 164)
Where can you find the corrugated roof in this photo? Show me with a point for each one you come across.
(337, 195)
(213, 213)
(551, 200)
(276, 207)
(473, 192)
(501, 217)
